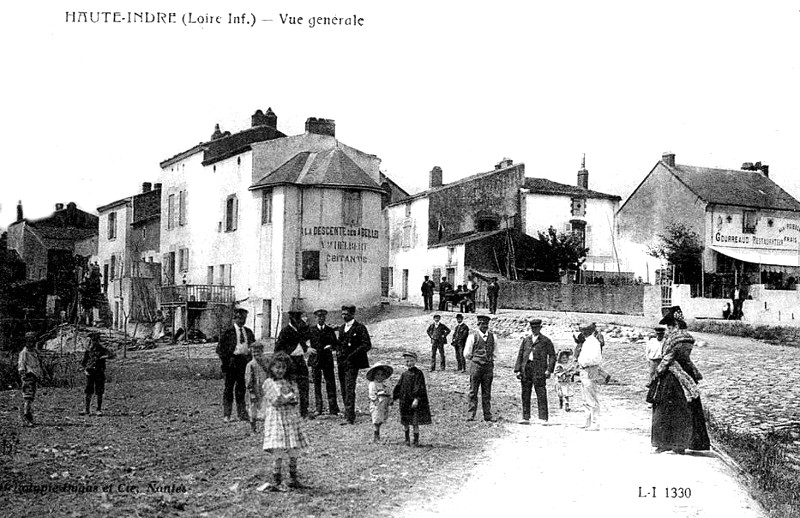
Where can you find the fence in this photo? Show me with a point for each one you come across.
(586, 298)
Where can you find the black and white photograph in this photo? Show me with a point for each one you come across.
(422, 259)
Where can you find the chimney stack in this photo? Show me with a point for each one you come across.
(436, 177)
(583, 175)
(19, 210)
(156, 186)
(146, 186)
(59, 206)
(758, 166)
(668, 158)
(505, 162)
(321, 126)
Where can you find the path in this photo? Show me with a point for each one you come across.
(561, 468)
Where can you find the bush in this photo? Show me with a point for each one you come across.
(773, 334)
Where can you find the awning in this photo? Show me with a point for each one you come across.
(775, 257)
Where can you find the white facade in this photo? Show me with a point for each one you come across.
(259, 252)
(542, 211)
(113, 254)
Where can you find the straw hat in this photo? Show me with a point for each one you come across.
(379, 367)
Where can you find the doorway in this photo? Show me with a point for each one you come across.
(404, 295)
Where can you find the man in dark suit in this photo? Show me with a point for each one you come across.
(233, 350)
(437, 332)
(492, 292)
(427, 293)
(293, 340)
(323, 344)
(354, 342)
(460, 334)
(444, 288)
(535, 363)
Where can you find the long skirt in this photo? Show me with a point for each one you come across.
(677, 424)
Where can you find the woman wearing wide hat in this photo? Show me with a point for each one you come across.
(678, 420)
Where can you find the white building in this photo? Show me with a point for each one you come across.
(273, 223)
(113, 254)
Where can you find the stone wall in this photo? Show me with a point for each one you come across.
(583, 298)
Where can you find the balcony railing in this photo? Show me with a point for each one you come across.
(214, 294)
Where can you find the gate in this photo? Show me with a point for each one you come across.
(666, 296)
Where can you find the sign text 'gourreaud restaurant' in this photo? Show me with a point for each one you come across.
(781, 235)
(337, 248)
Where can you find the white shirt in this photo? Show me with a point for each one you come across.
(298, 351)
(241, 341)
(470, 343)
(652, 349)
(348, 325)
(533, 338)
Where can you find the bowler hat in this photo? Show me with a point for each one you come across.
(410, 354)
(321, 312)
(349, 309)
(460, 316)
(295, 314)
(536, 322)
(379, 367)
(483, 318)
(240, 312)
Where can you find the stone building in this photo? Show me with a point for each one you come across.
(747, 224)
(272, 223)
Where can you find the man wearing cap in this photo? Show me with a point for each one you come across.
(444, 288)
(437, 332)
(589, 355)
(427, 293)
(479, 350)
(492, 292)
(323, 344)
(535, 363)
(460, 334)
(354, 342)
(233, 350)
(293, 340)
(653, 347)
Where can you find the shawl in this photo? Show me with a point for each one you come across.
(679, 343)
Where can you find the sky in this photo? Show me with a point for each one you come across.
(89, 110)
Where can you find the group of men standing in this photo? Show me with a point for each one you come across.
(464, 296)
(348, 345)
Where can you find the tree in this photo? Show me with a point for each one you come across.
(558, 253)
(681, 247)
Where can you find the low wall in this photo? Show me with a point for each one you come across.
(767, 307)
(585, 298)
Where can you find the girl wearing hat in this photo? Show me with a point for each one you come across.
(564, 373)
(379, 399)
(413, 395)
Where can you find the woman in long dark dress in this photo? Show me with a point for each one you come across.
(678, 420)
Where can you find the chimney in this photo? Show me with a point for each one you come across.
(758, 166)
(583, 175)
(505, 162)
(59, 206)
(765, 170)
(668, 158)
(217, 133)
(271, 118)
(19, 210)
(146, 186)
(436, 177)
(321, 126)
(156, 186)
(258, 119)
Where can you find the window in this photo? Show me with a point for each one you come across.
(578, 207)
(144, 232)
(225, 274)
(182, 208)
(579, 231)
(113, 269)
(310, 265)
(112, 225)
(749, 222)
(407, 234)
(391, 277)
(105, 277)
(408, 210)
(231, 213)
(171, 212)
(210, 276)
(437, 276)
(183, 259)
(451, 254)
(351, 208)
(266, 207)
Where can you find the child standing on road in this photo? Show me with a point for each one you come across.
(379, 399)
(94, 367)
(255, 374)
(564, 374)
(30, 372)
(282, 434)
(413, 395)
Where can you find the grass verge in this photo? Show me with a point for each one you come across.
(772, 334)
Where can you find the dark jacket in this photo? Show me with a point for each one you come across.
(289, 338)
(544, 357)
(319, 340)
(445, 287)
(412, 386)
(492, 289)
(353, 346)
(227, 344)
(460, 334)
(427, 288)
(94, 360)
(438, 334)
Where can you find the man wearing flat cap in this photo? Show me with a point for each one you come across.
(323, 344)
(535, 363)
(479, 351)
(354, 342)
(293, 340)
(233, 350)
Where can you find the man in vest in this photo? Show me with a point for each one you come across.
(233, 350)
(479, 351)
